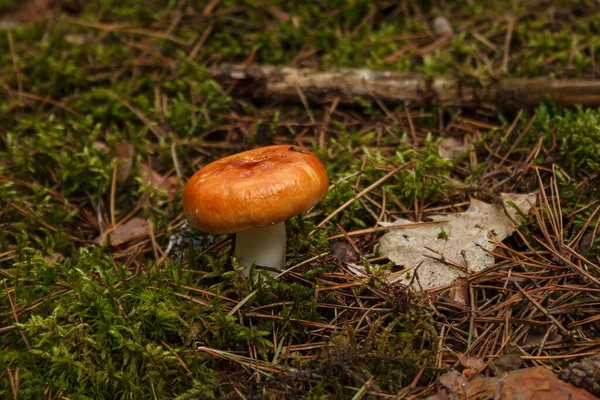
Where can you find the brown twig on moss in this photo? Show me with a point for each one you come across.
(285, 84)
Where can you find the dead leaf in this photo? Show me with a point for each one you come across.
(459, 292)
(452, 147)
(157, 181)
(536, 383)
(470, 362)
(457, 243)
(441, 394)
(523, 202)
(125, 153)
(453, 381)
(135, 228)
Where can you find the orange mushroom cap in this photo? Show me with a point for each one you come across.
(254, 189)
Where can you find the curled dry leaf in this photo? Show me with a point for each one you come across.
(536, 383)
(125, 153)
(135, 228)
(454, 244)
(458, 292)
(453, 381)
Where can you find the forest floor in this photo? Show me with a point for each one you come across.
(108, 107)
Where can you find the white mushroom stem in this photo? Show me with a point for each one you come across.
(262, 246)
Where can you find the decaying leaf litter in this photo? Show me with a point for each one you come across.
(459, 243)
(161, 310)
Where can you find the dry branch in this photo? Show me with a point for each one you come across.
(290, 84)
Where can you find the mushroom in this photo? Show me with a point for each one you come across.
(252, 194)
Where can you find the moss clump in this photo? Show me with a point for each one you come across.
(96, 335)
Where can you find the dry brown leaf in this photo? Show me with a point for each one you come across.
(453, 381)
(536, 383)
(125, 153)
(135, 228)
(459, 292)
(442, 252)
(441, 394)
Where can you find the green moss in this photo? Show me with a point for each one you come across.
(443, 235)
(95, 334)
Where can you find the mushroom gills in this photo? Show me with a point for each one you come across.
(262, 246)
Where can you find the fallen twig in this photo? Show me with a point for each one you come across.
(285, 84)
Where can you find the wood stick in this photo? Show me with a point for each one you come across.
(284, 84)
